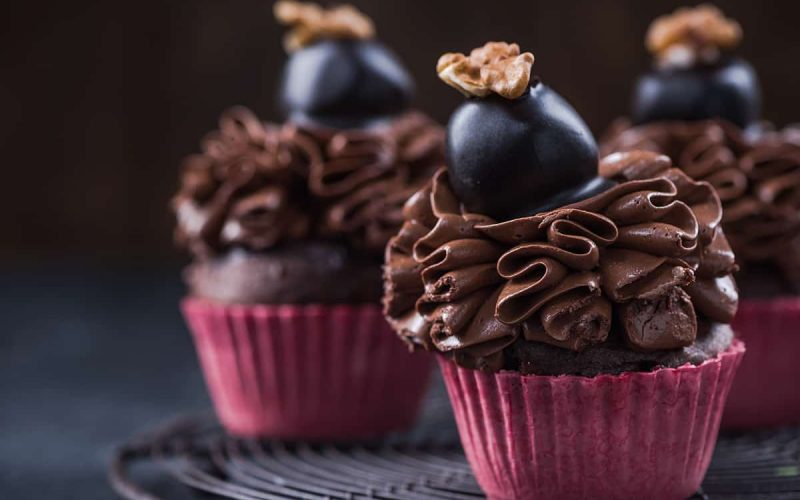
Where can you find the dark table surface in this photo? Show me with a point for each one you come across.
(88, 358)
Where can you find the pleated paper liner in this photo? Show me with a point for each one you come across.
(306, 372)
(636, 435)
(766, 392)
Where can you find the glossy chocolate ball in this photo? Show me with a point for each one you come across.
(510, 158)
(344, 84)
(728, 90)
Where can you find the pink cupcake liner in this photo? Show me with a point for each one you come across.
(635, 435)
(766, 392)
(306, 372)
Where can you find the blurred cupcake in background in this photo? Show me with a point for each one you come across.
(700, 105)
(287, 223)
(581, 320)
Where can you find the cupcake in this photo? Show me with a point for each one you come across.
(700, 106)
(286, 224)
(580, 320)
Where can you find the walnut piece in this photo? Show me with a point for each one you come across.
(496, 67)
(310, 22)
(691, 34)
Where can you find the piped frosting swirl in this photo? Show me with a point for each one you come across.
(757, 179)
(642, 260)
(257, 185)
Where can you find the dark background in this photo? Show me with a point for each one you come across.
(99, 100)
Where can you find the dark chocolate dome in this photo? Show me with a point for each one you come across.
(727, 89)
(509, 158)
(344, 84)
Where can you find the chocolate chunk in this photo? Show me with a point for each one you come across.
(667, 322)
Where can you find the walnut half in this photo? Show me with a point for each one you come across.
(691, 34)
(497, 67)
(310, 22)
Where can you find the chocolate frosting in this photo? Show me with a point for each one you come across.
(639, 262)
(258, 185)
(757, 179)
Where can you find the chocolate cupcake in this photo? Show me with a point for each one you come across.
(581, 320)
(700, 105)
(287, 223)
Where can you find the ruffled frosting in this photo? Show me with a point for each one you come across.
(645, 259)
(758, 181)
(242, 190)
(364, 178)
(256, 185)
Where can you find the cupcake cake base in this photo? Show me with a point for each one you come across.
(635, 435)
(310, 372)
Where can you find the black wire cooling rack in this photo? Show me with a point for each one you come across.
(426, 463)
